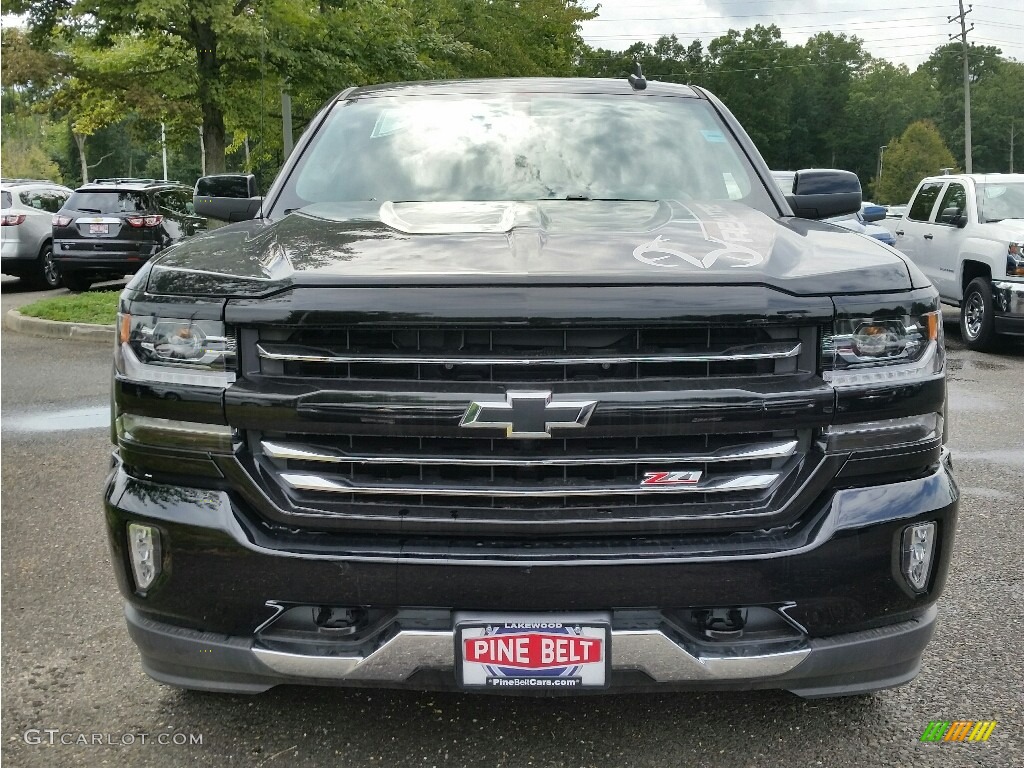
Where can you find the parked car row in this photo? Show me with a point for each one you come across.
(105, 229)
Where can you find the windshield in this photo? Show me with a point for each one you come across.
(5, 199)
(1000, 201)
(522, 147)
(107, 202)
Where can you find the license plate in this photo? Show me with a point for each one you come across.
(537, 652)
(98, 229)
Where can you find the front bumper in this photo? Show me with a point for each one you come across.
(835, 581)
(852, 663)
(1009, 301)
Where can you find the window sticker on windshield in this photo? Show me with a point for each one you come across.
(714, 137)
(390, 121)
(731, 187)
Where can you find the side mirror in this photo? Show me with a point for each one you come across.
(227, 196)
(872, 213)
(954, 216)
(820, 193)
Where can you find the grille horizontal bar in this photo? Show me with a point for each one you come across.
(736, 353)
(754, 481)
(777, 449)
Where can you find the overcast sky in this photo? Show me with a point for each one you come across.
(902, 31)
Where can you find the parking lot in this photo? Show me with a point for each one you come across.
(70, 671)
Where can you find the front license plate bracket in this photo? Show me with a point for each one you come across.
(532, 652)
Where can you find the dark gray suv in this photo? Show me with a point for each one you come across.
(111, 227)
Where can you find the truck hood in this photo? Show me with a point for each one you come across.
(1010, 230)
(544, 242)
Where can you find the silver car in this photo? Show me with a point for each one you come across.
(26, 235)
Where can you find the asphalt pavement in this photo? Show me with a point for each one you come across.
(71, 674)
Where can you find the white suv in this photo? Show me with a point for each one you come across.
(26, 236)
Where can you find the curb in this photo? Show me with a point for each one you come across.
(54, 329)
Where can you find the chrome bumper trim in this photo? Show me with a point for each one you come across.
(1009, 297)
(649, 651)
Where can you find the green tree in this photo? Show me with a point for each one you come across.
(883, 100)
(996, 119)
(504, 38)
(667, 59)
(944, 69)
(751, 73)
(919, 152)
(29, 143)
(822, 75)
(193, 63)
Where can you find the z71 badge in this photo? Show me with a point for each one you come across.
(690, 477)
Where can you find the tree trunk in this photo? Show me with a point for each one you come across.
(80, 143)
(208, 69)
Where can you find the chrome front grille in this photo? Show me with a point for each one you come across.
(648, 429)
(539, 355)
(493, 474)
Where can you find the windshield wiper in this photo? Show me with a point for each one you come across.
(587, 198)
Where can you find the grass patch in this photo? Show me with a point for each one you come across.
(98, 307)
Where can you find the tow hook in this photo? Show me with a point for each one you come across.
(721, 623)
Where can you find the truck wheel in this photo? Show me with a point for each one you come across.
(47, 273)
(77, 283)
(977, 321)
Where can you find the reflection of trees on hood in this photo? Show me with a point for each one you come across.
(166, 497)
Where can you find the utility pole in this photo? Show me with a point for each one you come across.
(163, 148)
(202, 152)
(286, 119)
(1011, 144)
(962, 20)
(878, 176)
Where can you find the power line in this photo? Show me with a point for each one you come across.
(620, 20)
(813, 27)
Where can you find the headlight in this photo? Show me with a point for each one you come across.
(882, 350)
(175, 351)
(1015, 260)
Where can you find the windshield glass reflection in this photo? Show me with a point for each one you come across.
(1000, 201)
(523, 147)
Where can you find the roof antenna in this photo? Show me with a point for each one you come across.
(637, 80)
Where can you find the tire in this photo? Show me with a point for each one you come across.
(977, 316)
(77, 283)
(47, 275)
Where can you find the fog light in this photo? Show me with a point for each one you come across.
(918, 545)
(144, 545)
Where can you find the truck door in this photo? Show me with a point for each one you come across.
(914, 235)
(948, 234)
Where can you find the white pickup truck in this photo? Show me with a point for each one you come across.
(966, 233)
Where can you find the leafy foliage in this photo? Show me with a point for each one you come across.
(919, 152)
(112, 71)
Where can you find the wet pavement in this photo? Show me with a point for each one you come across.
(70, 672)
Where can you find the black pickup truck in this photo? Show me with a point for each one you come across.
(530, 386)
